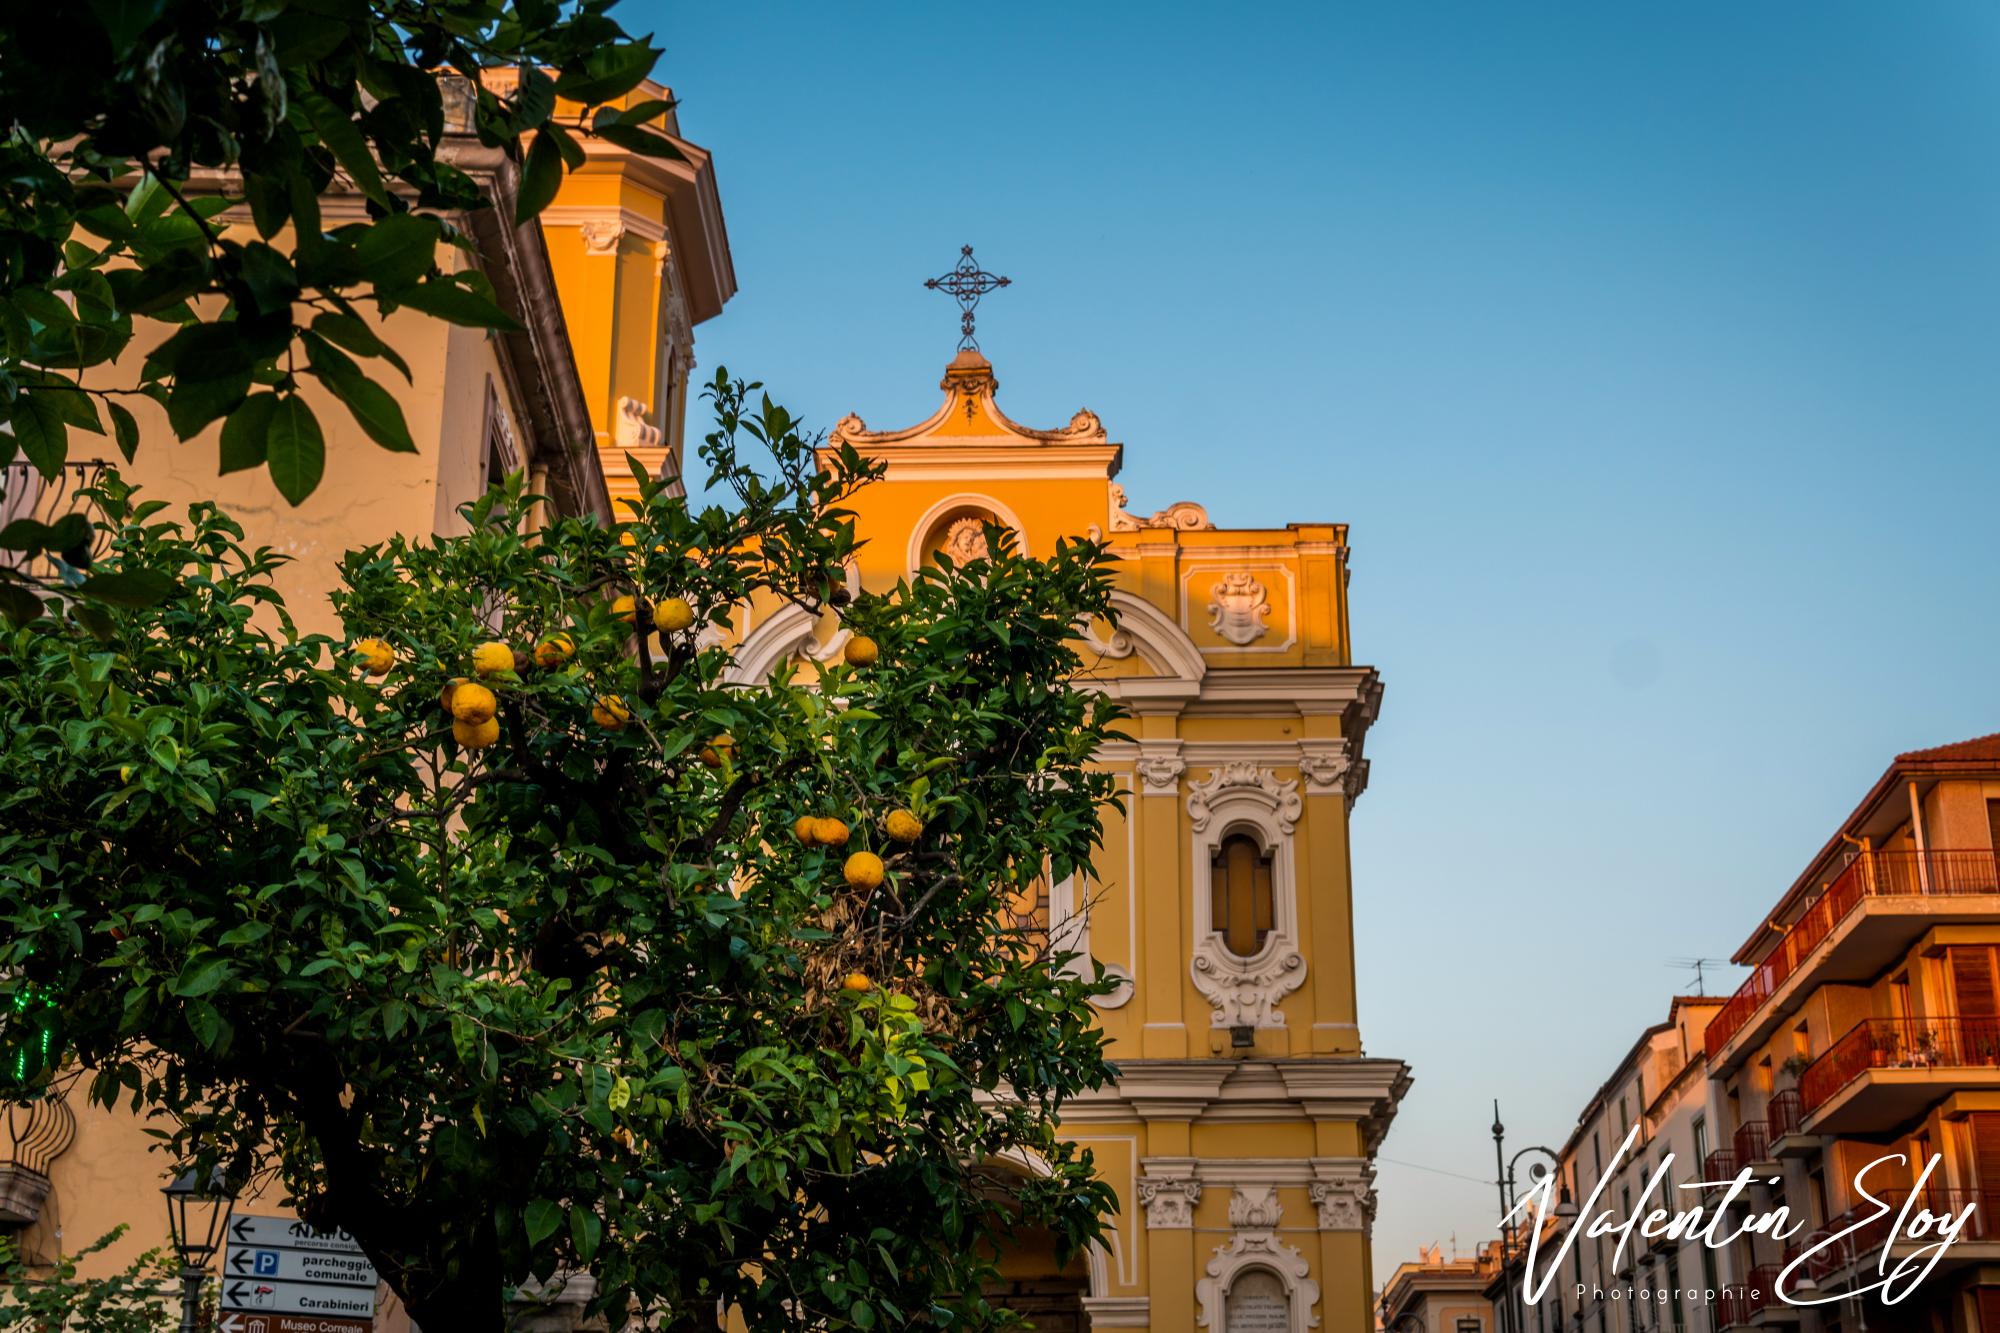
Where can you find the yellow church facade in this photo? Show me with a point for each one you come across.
(1241, 1132)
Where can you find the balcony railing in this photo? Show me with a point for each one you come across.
(1786, 1110)
(1870, 875)
(32, 1135)
(1753, 1143)
(1900, 1043)
(1718, 1166)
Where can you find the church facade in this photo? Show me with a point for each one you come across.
(1241, 1132)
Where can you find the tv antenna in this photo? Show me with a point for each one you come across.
(1699, 967)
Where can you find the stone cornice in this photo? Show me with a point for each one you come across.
(1363, 1090)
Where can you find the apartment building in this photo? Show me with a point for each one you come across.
(1866, 1045)
(1440, 1295)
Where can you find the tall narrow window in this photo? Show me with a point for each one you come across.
(1241, 884)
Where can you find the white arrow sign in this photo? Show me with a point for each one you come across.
(247, 1294)
(286, 1233)
(325, 1266)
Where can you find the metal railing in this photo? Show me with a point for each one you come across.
(1752, 1142)
(1863, 1240)
(33, 1134)
(25, 493)
(1900, 1043)
(1786, 1110)
(1719, 1165)
(1869, 875)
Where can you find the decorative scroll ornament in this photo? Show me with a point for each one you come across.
(1238, 608)
(1115, 645)
(600, 235)
(1281, 797)
(1184, 515)
(1169, 1201)
(1244, 992)
(1255, 1247)
(631, 430)
(1325, 770)
(1346, 1197)
(1160, 767)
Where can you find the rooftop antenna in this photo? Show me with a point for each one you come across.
(1699, 966)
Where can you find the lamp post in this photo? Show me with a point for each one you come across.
(1566, 1209)
(1848, 1256)
(198, 1211)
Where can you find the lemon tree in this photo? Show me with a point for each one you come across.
(579, 957)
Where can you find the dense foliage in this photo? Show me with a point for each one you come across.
(269, 105)
(142, 1297)
(588, 995)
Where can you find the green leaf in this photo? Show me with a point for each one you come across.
(193, 403)
(74, 406)
(460, 305)
(201, 978)
(541, 177)
(295, 449)
(639, 113)
(397, 251)
(243, 434)
(353, 333)
(645, 142)
(125, 430)
(607, 72)
(350, 147)
(18, 605)
(41, 433)
(374, 407)
(541, 1217)
(133, 587)
(586, 1231)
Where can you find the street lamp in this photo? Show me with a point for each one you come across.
(1566, 1209)
(197, 1212)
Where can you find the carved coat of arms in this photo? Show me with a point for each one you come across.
(1238, 608)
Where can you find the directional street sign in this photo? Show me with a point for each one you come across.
(236, 1321)
(281, 1276)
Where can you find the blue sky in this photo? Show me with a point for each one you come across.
(1649, 351)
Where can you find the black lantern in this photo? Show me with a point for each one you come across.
(197, 1212)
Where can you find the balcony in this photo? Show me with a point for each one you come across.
(1878, 906)
(1783, 1119)
(1887, 1071)
(1752, 1145)
(1738, 1305)
(32, 1135)
(1719, 1167)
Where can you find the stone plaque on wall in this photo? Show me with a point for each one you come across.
(1257, 1303)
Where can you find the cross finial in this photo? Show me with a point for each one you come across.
(965, 284)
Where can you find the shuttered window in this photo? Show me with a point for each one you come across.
(1240, 887)
(1972, 982)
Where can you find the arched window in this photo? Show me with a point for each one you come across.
(1240, 885)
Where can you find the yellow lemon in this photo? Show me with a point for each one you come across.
(625, 609)
(857, 982)
(829, 832)
(555, 650)
(802, 829)
(375, 656)
(713, 753)
(863, 870)
(476, 735)
(450, 689)
(862, 651)
(473, 704)
(673, 615)
(610, 713)
(903, 826)
(490, 659)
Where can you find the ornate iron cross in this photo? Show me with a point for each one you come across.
(965, 284)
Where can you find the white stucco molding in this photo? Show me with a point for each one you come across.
(1254, 1215)
(1344, 1193)
(1245, 798)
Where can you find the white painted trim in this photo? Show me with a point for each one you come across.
(960, 500)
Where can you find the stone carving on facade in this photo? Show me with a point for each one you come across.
(631, 430)
(1325, 767)
(1244, 992)
(1345, 1196)
(1238, 607)
(1281, 797)
(1115, 644)
(965, 540)
(1254, 1246)
(1169, 1201)
(600, 235)
(1160, 767)
(1184, 515)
